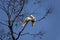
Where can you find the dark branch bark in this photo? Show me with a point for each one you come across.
(11, 27)
(10, 24)
(11, 30)
(1, 39)
(20, 33)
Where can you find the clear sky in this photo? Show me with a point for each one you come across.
(51, 24)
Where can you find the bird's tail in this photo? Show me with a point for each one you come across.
(33, 23)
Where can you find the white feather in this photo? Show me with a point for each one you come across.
(31, 18)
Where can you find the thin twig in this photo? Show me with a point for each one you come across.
(4, 8)
(19, 12)
(20, 33)
(47, 12)
(1, 39)
(3, 23)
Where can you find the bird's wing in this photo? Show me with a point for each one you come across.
(26, 21)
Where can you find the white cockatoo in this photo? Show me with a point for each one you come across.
(30, 18)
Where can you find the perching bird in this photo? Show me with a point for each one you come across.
(30, 18)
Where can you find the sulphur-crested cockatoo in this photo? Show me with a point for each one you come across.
(30, 18)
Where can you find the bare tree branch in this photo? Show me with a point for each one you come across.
(19, 11)
(13, 7)
(1, 39)
(39, 34)
(20, 33)
(8, 4)
(47, 12)
(10, 13)
(4, 8)
(3, 23)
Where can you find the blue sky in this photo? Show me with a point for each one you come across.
(51, 24)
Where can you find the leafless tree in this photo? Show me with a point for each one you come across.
(13, 9)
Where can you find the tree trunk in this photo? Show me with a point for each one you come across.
(11, 31)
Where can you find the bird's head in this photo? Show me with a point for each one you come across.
(33, 18)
